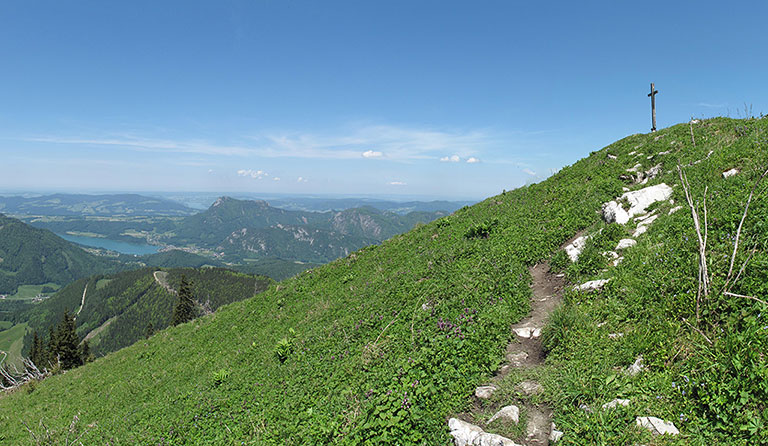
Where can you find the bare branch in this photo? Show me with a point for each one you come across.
(698, 331)
(703, 288)
(728, 293)
(741, 224)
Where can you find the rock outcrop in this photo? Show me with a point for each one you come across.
(466, 434)
(638, 202)
(657, 426)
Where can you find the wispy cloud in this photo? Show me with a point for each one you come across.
(529, 172)
(372, 154)
(472, 160)
(396, 183)
(451, 159)
(390, 142)
(710, 105)
(301, 180)
(255, 174)
(146, 144)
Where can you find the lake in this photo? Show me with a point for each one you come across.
(112, 245)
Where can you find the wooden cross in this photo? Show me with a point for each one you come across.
(652, 95)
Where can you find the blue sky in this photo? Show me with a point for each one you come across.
(417, 98)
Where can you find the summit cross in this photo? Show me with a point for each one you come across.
(652, 95)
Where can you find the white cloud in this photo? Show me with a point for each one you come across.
(301, 180)
(372, 154)
(255, 174)
(450, 159)
(529, 172)
(276, 179)
(396, 183)
(472, 160)
(210, 170)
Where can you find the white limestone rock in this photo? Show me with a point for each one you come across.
(527, 332)
(507, 413)
(613, 212)
(529, 387)
(466, 434)
(730, 173)
(615, 335)
(657, 426)
(616, 402)
(574, 248)
(674, 209)
(517, 359)
(554, 434)
(485, 392)
(643, 225)
(638, 201)
(636, 367)
(625, 243)
(592, 285)
(613, 157)
(617, 261)
(611, 254)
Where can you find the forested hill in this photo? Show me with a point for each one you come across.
(113, 311)
(383, 346)
(30, 255)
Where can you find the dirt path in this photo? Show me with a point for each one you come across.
(161, 277)
(99, 329)
(82, 302)
(525, 352)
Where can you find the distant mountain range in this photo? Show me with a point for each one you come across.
(93, 205)
(248, 235)
(237, 229)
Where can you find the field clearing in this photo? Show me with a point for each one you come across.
(11, 342)
(31, 291)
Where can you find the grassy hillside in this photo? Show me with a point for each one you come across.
(32, 256)
(382, 346)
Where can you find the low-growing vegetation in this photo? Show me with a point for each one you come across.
(391, 340)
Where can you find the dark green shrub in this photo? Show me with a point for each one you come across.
(562, 322)
(482, 230)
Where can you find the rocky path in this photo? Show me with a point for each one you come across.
(525, 351)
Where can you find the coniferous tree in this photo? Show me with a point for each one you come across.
(85, 352)
(185, 306)
(37, 353)
(69, 352)
(52, 349)
(150, 330)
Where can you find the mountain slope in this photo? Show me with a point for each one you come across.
(37, 256)
(382, 346)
